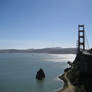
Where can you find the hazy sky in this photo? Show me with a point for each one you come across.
(43, 23)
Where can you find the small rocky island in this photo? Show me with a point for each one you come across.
(40, 74)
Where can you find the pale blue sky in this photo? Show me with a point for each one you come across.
(43, 23)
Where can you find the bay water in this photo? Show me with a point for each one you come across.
(18, 71)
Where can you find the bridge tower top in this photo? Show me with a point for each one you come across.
(81, 38)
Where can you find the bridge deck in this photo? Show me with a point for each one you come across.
(87, 53)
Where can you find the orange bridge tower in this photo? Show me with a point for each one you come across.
(81, 38)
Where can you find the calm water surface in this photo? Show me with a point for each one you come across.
(18, 71)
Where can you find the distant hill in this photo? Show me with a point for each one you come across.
(55, 50)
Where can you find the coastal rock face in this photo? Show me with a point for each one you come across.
(40, 74)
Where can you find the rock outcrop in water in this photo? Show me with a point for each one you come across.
(40, 74)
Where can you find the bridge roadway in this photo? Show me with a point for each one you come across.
(87, 53)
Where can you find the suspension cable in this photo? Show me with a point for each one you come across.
(86, 40)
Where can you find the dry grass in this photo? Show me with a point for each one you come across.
(68, 87)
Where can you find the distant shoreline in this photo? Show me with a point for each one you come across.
(34, 53)
(44, 50)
